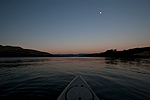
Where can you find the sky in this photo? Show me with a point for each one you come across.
(75, 26)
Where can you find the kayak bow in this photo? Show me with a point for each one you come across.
(78, 89)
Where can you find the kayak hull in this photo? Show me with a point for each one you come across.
(78, 89)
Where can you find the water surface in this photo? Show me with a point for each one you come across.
(45, 78)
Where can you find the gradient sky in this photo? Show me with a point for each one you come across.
(75, 26)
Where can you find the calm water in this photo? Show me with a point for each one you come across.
(46, 78)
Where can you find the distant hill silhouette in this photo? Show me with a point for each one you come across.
(135, 52)
(69, 55)
(13, 51)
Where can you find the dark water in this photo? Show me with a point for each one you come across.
(45, 78)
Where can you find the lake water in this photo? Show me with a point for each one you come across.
(45, 78)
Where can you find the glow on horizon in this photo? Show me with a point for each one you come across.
(61, 27)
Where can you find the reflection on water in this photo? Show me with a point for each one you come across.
(15, 62)
(45, 78)
(136, 65)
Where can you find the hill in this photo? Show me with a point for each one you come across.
(13, 51)
(135, 52)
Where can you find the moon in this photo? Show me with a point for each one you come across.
(100, 12)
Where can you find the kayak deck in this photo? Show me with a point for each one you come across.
(78, 89)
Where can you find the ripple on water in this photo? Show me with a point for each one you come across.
(46, 78)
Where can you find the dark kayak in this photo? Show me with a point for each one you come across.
(78, 89)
